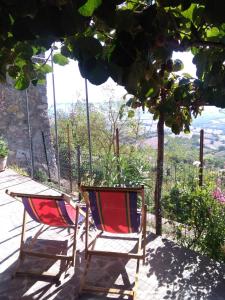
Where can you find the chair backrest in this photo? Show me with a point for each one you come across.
(49, 210)
(115, 210)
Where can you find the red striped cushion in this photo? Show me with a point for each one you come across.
(115, 212)
(50, 212)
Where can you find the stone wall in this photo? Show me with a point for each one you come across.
(14, 127)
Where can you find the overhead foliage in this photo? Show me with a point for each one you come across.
(130, 41)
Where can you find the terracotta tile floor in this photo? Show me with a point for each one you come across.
(170, 272)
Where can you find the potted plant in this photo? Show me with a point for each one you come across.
(4, 150)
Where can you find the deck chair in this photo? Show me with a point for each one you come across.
(53, 211)
(114, 210)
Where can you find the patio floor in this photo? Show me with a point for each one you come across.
(170, 272)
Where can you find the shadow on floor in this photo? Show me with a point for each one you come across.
(170, 273)
(34, 287)
(184, 273)
(108, 272)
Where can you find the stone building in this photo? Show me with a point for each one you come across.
(14, 127)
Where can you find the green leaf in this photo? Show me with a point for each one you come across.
(201, 62)
(20, 62)
(96, 71)
(175, 128)
(86, 47)
(188, 13)
(42, 81)
(23, 50)
(46, 69)
(13, 71)
(131, 114)
(65, 51)
(212, 32)
(194, 50)
(187, 130)
(198, 16)
(177, 65)
(89, 7)
(150, 92)
(121, 111)
(125, 20)
(132, 4)
(60, 59)
(21, 83)
(186, 75)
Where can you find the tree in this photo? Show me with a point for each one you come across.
(181, 150)
(131, 41)
(104, 122)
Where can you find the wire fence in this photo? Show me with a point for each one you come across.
(75, 169)
(74, 161)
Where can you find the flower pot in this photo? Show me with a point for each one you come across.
(3, 161)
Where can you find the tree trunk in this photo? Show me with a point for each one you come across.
(201, 157)
(159, 174)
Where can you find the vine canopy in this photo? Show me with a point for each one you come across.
(130, 41)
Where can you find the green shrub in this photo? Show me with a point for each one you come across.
(19, 170)
(40, 176)
(198, 219)
(4, 150)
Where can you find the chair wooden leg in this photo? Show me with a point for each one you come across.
(88, 261)
(21, 256)
(86, 231)
(136, 280)
(132, 293)
(75, 237)
(83, 279)
(23, 230)
(23, 252)
(144, 234)
(137, 267)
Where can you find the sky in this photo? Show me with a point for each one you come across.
(70, 86)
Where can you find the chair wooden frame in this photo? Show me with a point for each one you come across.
(69, 259)
(90, 247)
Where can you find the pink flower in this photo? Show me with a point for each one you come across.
(217, 192)
(218, 195)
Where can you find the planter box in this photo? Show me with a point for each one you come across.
(3, 161)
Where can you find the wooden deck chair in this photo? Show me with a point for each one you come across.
(53, 211)
(115, 210)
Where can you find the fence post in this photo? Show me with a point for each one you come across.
(55, 118)
(78, 171)
(159, 175)
(118, 155)
(46, 156)
(201, 157)
(30, 136)
(88, 129)
(175, 174)
(69, 156)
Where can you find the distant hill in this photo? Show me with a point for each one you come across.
(211, 118)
